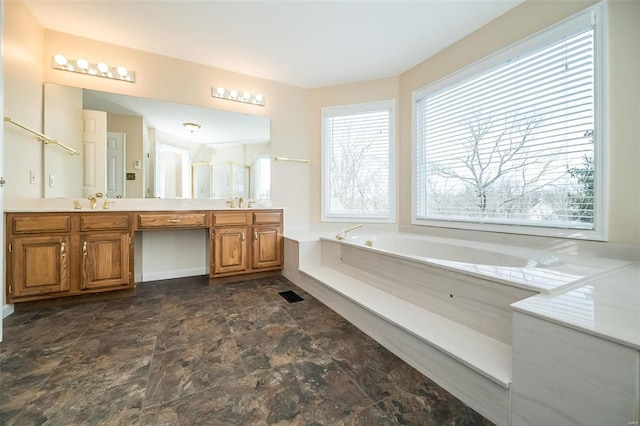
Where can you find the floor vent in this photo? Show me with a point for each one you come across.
(290, 296)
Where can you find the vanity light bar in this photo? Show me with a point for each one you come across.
(82, 66)
(234, 95)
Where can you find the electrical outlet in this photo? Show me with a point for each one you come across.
(32, 177)
(52, 180)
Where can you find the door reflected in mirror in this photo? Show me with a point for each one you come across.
(140, 148)
(115, 151)
(173, 177)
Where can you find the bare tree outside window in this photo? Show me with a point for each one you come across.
(359, 163)
(509, 146)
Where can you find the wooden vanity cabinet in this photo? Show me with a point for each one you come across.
(229, 243)
(38, 259)
(267, 249)
(38, 266)
(230, 250)
(61, 254)
(246, 241)
(54, 254)
(105, 240)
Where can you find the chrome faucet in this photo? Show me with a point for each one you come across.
(342, 235)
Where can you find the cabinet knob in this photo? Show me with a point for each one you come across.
(84, 248)
(255, 236)
(63, 249)
(243, 237)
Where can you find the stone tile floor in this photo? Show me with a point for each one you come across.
(189, 353)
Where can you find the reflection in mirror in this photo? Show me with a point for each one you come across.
(201, 179)
(141, 148)
(172, 172)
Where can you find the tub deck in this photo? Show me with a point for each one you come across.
(455, 329)
(481, 353)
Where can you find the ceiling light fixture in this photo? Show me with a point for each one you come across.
(191, 127)
(100, 69)
(234, 95)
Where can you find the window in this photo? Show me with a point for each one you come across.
(517, 139)
(262, 178)
(358, 162)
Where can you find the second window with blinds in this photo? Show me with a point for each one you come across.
(358, 162)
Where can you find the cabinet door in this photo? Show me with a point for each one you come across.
(39, 265)
(230, 250)
(105, 260)
(267, 247)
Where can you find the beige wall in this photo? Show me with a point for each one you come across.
(133, 127)
(624, 121)
(624, 69)
(23, 44)
(63, 121)
(28, 53)
(519, 23)
(170, 79)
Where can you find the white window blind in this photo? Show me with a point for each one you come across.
(358, 147)
(514, 144)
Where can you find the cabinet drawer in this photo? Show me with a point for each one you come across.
(171, 220)
(229, 218)
(40, 224)
(267, 217)
(104, 222)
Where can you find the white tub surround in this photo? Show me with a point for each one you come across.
(576, 354)
(607, 307)
(423, 299)
(535, 270)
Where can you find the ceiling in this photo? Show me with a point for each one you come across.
(303, 43)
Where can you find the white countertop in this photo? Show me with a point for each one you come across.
(123, 204)
(607, 306)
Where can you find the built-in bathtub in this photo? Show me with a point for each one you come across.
(441, 305)
(421, 248)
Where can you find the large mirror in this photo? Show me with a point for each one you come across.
(144, 148)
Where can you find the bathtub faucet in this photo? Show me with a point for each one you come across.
(342, 235)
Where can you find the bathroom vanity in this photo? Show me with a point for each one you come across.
(68, 253)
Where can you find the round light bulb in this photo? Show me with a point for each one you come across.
(83, 64)
(259, 98)
(246, 96)
(220, 91)
(60, 60)
(103, 68)
(233, 94)
(122, 71)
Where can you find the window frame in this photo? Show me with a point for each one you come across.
(333, 111)
(595, 15)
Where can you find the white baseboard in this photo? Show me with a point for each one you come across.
(7, 310)
(167, 275)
